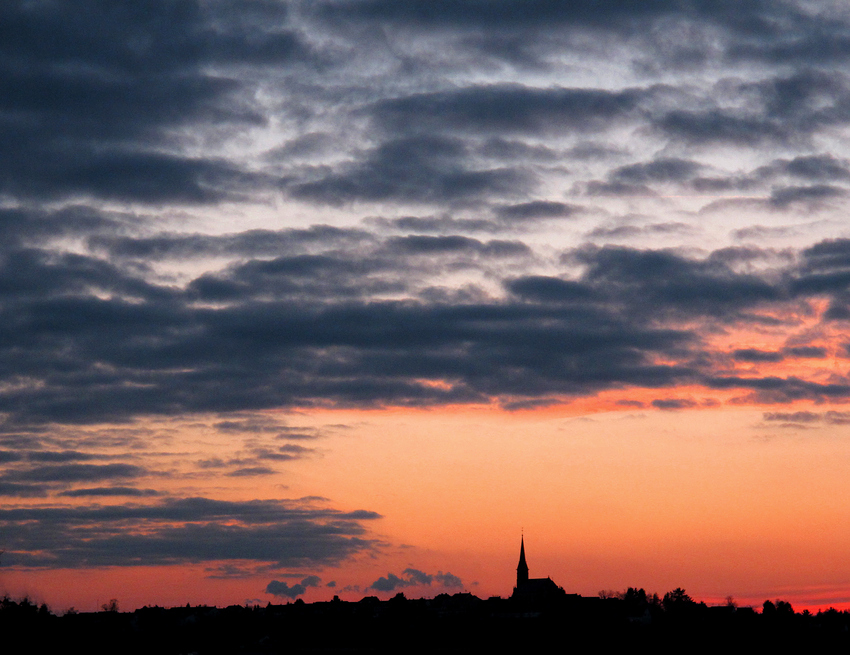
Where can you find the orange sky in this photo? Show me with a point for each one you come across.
(718, 501)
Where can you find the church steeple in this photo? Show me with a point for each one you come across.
(522, 567)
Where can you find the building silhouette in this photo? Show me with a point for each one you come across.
(535, 590)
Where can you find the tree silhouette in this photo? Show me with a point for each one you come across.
(676, 599)
(111, 606)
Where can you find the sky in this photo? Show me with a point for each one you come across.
(342, 297)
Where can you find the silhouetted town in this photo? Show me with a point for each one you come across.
(538, 615)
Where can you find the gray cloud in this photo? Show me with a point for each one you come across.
(174, 531)
(536, 209)
(813, 352)
(276, 588)
(506, 109)
(831, 417)
(147, 106)
(659, 170)
(76, 473)
(750, 18)
(102, 122)
(418, 169)
(251, 243)
(251, 471)
(110, 491)
(308, 330)
(755, 355)
(411, 577)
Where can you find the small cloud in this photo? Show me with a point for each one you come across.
(806, 352)
(251, 471)
(631, 403)
(361, 514)
(800, 419)
(282, 589)
(389, 583)
(212, 463)
(794, 417)
(231, 572)
(448, 580)
(673, 403)
(418, 577)
(753, 355)
(62, 456)
(536, 209)
(837, 418)
(78, 472)
(415, 578)
(761, 233)
(110, 491)
(783, 197)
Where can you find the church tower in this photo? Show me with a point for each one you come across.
(522, 567)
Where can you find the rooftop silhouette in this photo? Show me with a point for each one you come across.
(533, 589)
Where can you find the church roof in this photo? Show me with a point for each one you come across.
(522, 565)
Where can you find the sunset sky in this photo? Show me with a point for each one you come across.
(343, 296)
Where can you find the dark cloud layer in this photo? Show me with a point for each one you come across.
(114, 107)
(92, 95)
(309, 330)
(276, 532)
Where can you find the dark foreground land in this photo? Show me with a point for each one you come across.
(461, 623)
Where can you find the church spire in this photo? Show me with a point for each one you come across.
(522, 567)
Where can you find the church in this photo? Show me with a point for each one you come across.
(534, 589)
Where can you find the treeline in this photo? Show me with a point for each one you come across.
(445, 624)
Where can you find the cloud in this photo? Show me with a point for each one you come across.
(389, 583)
(109, 491)
(418, 169)
(60, 456)
(825, 167)
(506, 109)
(535, 210)
(448, 580)
(718, 125)
(317, 330)
(803, 417)
(653, 229)
(14, 489)
(282, 589)
(123, 123)
(674, 403)
(755, 355)
(435, 224)
(104, 122)
(251, 471)
(813, 352)
(786, 196)
(665, 169)
(76, 473)
(415, 578)
(250, 243)
(748, 17)
(281, 533)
